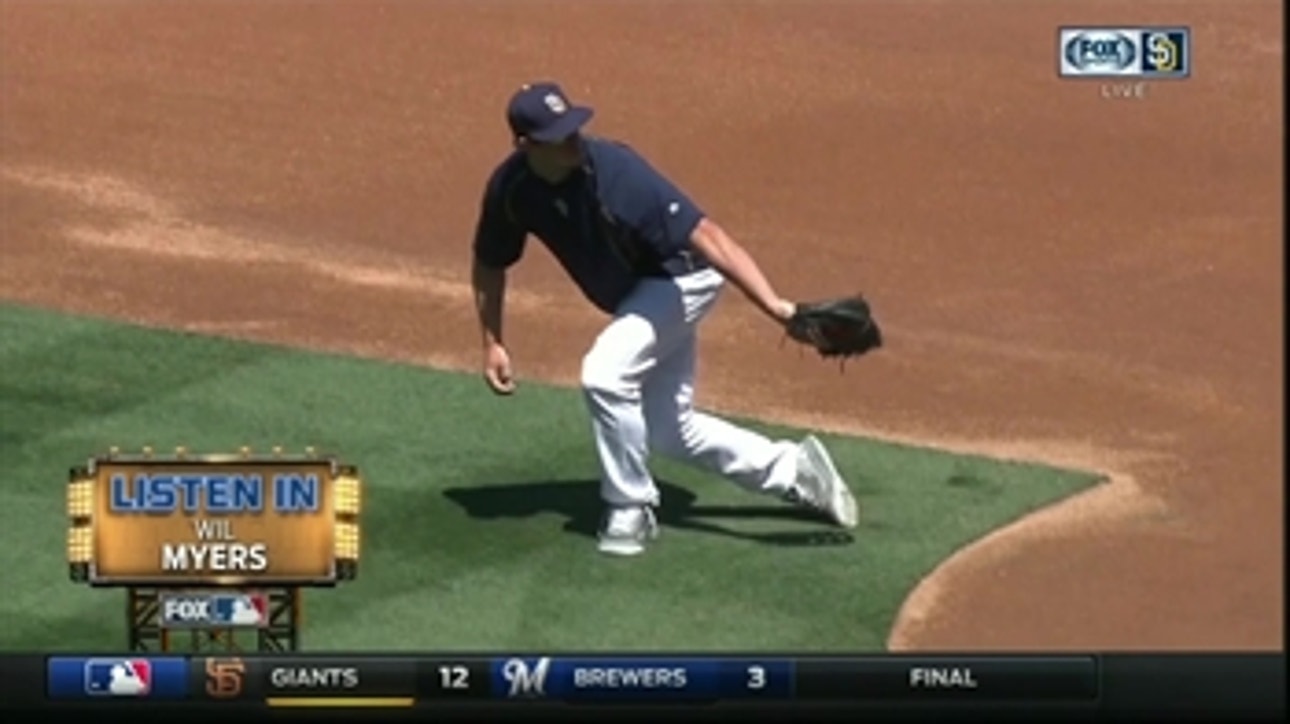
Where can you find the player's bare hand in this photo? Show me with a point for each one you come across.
(497, 369)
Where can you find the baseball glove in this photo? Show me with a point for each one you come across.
(838, 328)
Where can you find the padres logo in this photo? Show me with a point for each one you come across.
(1162, 52)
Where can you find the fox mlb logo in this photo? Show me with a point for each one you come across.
(118, 677)
(214, 609)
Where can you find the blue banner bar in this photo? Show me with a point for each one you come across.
(122, 678)
(640, 679)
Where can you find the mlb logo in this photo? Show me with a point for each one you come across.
(118, 677)
(246, 609)
(214, 609)
(1166, 52)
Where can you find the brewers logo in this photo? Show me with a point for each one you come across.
(1152, 53)
(524, 679)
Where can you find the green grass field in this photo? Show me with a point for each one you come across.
(479, 512)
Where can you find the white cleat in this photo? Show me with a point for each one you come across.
(819, 486)
(627, 530)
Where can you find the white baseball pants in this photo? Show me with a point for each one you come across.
(638, 380)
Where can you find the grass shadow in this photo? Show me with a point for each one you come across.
(579, 504)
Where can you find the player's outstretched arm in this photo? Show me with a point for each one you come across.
(489, 285)
(737, 265)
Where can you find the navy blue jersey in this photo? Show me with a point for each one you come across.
(610, 223)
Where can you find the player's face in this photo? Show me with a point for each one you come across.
(565, 154)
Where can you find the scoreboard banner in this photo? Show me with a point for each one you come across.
(219, 520)
(1087, 684)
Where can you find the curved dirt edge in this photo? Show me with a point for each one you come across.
(1117, 499)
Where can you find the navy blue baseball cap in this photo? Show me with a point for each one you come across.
(543, 113)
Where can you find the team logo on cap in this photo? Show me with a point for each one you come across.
(555, 103)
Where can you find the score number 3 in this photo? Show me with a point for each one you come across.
(756, 678)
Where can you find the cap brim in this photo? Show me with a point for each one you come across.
(570, 123)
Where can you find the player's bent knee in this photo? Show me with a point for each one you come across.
(600, 377)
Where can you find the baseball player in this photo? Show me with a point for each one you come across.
(644, 253)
